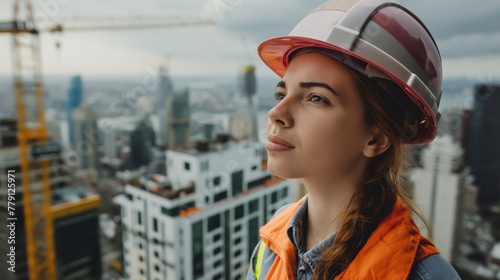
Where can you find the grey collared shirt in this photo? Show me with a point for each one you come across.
(306, 260)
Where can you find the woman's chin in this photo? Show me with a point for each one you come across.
(282, 170)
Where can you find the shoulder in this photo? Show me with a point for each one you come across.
(433, 267)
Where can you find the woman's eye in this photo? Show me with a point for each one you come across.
(279, 96)
(318, 99)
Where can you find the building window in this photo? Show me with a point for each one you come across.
(220, 196)
(157, 255)
(237, 241)
(187, 166)
(258, 182)
(284, 192)
(254, 167)
(139, 218)
(141, 259)
(217, 276)
(239, 212)
(237, 253)
(253, 206)
(253, 234)
(274, 197)
(216, 237)
(129, 196)
(157, 268)
(141, 271)
(155, 224)
(216, 251)
(216, 181)
(213, 222)
(197, 243)
(217, 264)
(237, 228)
(237, 182)
(170, 212)
(237, 265)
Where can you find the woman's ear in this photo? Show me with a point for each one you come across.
(377, 145)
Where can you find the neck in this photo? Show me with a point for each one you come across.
(327, 205)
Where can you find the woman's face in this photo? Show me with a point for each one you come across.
(316, 128)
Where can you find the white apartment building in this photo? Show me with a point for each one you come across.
(202, 224)
(439, 187)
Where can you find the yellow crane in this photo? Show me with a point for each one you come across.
(32, 134)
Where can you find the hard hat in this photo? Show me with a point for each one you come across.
(390, 41)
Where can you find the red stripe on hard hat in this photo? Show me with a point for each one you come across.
(415, 39)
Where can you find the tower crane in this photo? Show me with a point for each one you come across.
(32, 130)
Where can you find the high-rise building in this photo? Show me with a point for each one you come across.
(178, 112)
(165, 92)
(165, 89)
(483, 151)
(76, 236)
(115, 133)
(244, 119)
(141, 141)
(440, 188)
(86, 137)
(202, 222)
(74, 99)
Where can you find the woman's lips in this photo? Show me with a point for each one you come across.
(277, 144)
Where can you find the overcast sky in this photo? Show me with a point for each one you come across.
(467, 32)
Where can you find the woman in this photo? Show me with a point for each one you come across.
(359, 80)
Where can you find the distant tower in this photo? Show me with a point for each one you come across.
(74, 99)
(141, 140)
(483, 152)
(165, 91)
(178, 113)
(440, 186)
(244, 122)
(85, 135)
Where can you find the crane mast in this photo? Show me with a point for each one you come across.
(28, 87)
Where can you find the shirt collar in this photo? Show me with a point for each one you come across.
(296, 227)
(296, 232)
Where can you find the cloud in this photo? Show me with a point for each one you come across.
(446, 19)
(472, 66)
(475, 44)
(260, 19)
(466, 32)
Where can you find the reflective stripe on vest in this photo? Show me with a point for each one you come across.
(260, 259)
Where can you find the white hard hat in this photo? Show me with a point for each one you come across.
(390, 41)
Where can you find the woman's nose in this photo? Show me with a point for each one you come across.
(280, 115)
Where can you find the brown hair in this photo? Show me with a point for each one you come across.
(380, 188)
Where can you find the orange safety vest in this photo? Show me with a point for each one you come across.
(389, 253)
